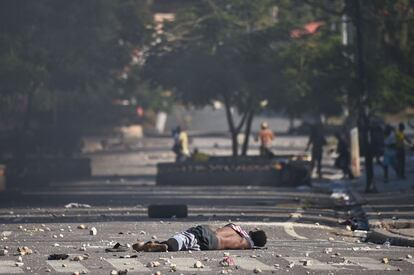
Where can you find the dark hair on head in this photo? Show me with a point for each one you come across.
(258, 237)
(401, 126)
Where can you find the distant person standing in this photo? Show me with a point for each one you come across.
(390, 155)
(180, 147)
(400, 141)
(344, 156)
(266, 137)
(317, 141)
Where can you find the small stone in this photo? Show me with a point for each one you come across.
(331, 239)
(56, 245)
(307, 263)
(76, 273)
(48, 270)
(327, 250)
(226, 254)
(158, 273)
(20, 227)
(143, 232)
(41, 230)
(3, 252)
(114, 272)
(198, 264)
(19, 264)
(81, 226)
(348, 228)
(224, 271)
(307, 254)
(84, 272)
(378, 247)
(82, 248)
(19, 259)
(78, 258)
(28, 268)
(257, 270)
(276, 265)
(291, 265)
(64, 265)
(93, 231)
(154, 237)
(54, 236)
(253, 256)
(278, 256)
(61, 235)
(385, 260)
(153, 264)
(317, 224)
(409, 256)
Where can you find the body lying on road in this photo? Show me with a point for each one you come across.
(202, 237)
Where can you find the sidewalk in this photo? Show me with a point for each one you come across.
(390, 211)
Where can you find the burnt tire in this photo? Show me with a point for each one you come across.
(167, 211)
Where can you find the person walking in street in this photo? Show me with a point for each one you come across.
(266, 137)
(203, 237)
(390, 154)
(400, 142)
(317, 141)
(180, 146)
(343, 159)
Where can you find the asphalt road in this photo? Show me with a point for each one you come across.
(302, 224)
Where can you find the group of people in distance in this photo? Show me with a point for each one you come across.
(387, 147)
(181, 143)
(395, 142)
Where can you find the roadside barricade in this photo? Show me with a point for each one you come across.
(281, 170)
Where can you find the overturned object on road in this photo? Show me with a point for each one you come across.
(280, 170)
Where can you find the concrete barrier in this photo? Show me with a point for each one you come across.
(285, 170)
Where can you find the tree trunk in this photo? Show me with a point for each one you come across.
(363, 101)
(233, 132)
(249, 122)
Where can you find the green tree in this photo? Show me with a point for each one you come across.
(214, 50)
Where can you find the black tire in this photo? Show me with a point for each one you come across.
(167, 211)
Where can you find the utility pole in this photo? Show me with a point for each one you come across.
(363, 102)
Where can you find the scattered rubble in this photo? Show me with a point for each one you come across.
(93, 231)
(327, 250)
(81, 226)
(227, 261)
(58, 257)
(77, 205)
(198, 264)
(257, 270)
(153, 264)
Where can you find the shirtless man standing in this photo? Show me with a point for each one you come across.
(202, 237)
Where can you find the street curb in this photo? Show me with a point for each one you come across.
(381, 236)
(376, 234)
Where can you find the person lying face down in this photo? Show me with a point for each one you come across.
(202, 237)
